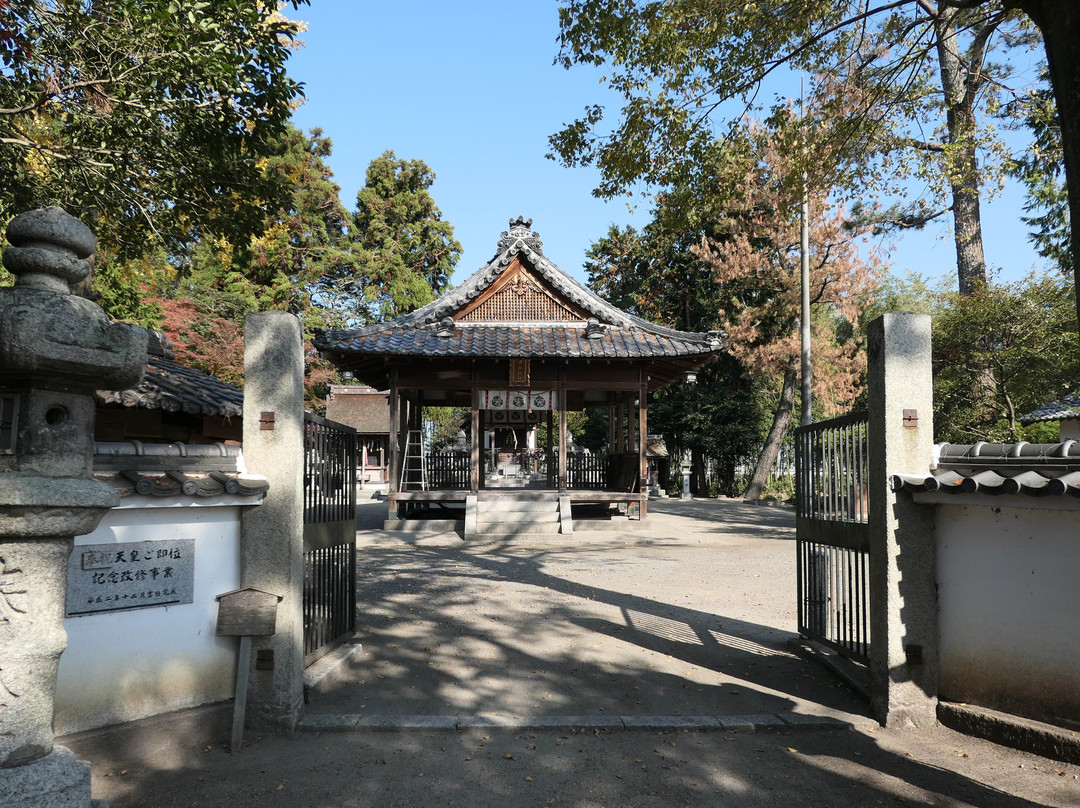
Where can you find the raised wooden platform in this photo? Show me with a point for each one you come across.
(505, 510)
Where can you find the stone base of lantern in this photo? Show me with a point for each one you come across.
(57, 780)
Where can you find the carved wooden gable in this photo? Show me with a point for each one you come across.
(520, 295)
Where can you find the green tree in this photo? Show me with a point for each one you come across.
(299, 257)
(997, 354)
(898, 88)
(292, 266)
(1041, 168)
(409, 250)
(148, 119)
(1025, 334)
(757, 260)
(653, 273)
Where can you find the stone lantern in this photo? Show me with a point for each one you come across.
(55, 350)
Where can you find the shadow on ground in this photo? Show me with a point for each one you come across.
(689, 618)
(526, 631)
(691, 628)
(169, 763)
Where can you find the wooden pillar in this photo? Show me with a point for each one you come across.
(562, 437)
(476, 447)
(620, 428)
(643, 442)
(395, 421)
(612, 440)
(549, 459)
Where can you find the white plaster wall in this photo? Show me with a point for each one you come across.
(1009, 618)
(122, 666)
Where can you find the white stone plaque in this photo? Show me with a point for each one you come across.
(130, 575)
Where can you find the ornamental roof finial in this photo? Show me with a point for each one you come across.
(521, 228)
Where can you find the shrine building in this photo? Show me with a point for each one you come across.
(519, 344)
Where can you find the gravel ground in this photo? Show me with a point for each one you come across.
(690, 618)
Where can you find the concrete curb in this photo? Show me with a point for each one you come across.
(327, 669)
(733, 723)
(854, 675)
(1013, 731)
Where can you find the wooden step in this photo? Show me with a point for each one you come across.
(516, 528)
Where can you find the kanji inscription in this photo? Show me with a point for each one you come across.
(130, 575)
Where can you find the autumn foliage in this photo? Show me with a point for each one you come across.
(757, 259)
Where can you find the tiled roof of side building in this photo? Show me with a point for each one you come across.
(1066, 408)
(173, 387)
(1029, 469)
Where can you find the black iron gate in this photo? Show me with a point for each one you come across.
(329, 535)
(832, 533)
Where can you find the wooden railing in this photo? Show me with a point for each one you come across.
(448, 470)
(586, 471)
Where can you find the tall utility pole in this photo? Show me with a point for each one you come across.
(804, 268)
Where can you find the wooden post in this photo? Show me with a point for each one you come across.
(395, 420)
(562, 437)
(620, 427)
(549, 460)
(475, 448)
(643, 461)
(612, 439)
(243, 671)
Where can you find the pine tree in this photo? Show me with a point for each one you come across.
(409, 251)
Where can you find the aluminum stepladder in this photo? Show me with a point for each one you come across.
(414, 474)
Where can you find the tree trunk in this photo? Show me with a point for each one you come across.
(781, 419)
(960, 88)
(1059, 22)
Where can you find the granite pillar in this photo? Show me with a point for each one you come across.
(903, 565)
(272, 537)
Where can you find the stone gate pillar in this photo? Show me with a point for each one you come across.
(55, 349)
(903, 556)
(272, 538)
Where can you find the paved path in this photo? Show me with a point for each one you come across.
(687, 622)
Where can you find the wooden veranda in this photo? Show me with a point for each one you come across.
(520, 344)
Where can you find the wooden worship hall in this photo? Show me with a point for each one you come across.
(519, 343)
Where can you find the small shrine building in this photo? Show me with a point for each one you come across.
(519, 343)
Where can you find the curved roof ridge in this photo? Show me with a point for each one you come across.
(481, 279)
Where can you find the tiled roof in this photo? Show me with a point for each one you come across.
(173, 387)
(1030, 469)
(618, 334)
(555, 340)
(1066, 408)
(200, 472)
(364, 409)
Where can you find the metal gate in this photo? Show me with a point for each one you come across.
(833, 534)
(329, 535)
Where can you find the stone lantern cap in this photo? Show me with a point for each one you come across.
(47, 331)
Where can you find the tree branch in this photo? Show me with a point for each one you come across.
(922, 145)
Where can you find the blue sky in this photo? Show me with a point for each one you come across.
(471, 89)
